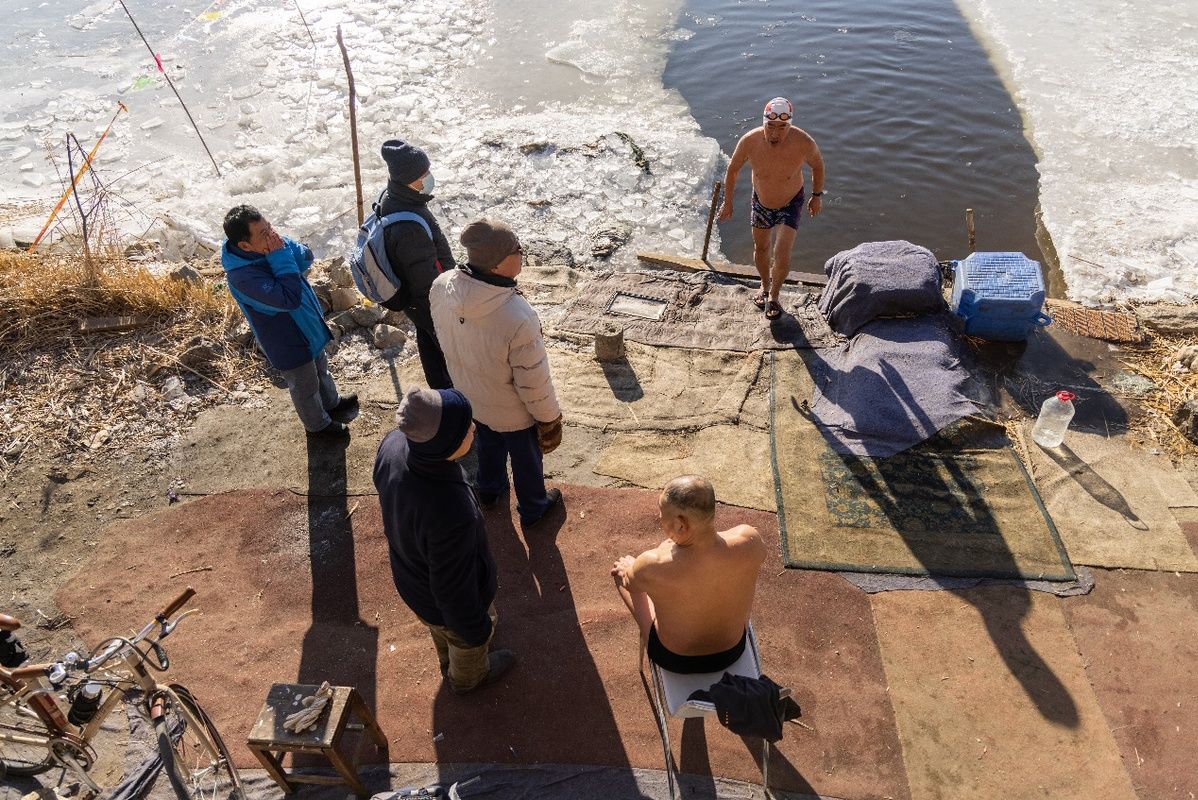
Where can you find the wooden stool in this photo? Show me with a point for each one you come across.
(269, 740)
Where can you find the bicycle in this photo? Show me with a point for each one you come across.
(49, 713)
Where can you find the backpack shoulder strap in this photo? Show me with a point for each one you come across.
(407, 216)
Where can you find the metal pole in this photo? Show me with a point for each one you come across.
(969, 228)
(353, 125)
(171, 84)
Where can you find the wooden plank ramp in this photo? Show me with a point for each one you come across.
(682, 264)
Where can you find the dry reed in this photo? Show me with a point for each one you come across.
(65, 390)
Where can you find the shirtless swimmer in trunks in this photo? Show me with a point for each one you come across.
(776, 153)
(692, 594)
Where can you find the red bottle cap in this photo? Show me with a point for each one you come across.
(1065, 397)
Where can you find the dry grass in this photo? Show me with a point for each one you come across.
(66, 391)
(43, 299)
(1154, 361)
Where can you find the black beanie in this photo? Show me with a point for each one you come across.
(435, 421)
(406, 162)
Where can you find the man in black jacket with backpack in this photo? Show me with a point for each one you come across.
(416, 258)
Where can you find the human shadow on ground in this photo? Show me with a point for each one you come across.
(916, 494)
(1025, 374)
(340, 646)
(552, 706)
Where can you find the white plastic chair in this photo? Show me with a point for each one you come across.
(670, 693)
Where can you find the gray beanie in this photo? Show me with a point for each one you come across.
(405, 162)
(435, 421)
(487, 242)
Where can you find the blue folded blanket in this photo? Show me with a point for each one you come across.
(880, 279)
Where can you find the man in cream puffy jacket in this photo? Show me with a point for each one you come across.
(492, 342)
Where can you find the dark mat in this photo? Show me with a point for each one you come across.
(703, 311)
(959, 504)
(299, 590)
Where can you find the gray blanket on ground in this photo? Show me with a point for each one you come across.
(879, 279)
(896, 383)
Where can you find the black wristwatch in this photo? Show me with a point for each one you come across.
(817, 194)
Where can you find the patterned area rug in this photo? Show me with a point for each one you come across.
(960, 503)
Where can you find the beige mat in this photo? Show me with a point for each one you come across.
(992, 700)
(654, 389)
(951, 506)
(735, 458)
(1111, 503)
(693, 311)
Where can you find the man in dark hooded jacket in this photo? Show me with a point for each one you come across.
(440, 559)
(416, 259)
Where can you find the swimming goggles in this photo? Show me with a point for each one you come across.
(773, 115)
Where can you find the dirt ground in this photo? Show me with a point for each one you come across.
(60, 518)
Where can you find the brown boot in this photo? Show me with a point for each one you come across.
(499, 662)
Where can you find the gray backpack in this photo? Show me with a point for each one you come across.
(372, 270)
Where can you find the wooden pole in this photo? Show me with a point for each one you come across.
(715, 198)
(171, 84)
(353, 125)
(969, 228)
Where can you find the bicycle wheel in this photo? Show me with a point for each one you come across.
(193, 754)
(21, 759)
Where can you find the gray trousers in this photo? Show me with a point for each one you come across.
(313, 392)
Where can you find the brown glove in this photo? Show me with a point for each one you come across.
(549, 435)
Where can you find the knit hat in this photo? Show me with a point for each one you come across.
(487, 242)
(435, 421)
(406, 162)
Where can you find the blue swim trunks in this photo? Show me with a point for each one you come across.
(790, 214)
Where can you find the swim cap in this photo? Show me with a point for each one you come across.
(778, 109)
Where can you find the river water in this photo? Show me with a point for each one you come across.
(537, 111)
(913, 123)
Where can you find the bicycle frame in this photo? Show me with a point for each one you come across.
(67, 743)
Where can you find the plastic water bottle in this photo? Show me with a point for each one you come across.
(1055, 415)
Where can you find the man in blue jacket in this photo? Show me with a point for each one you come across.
(440, 559)
(265, 275)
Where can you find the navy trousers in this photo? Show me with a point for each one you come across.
(432, 360)
(528, 475)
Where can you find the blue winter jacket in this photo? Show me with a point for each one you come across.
(277, 301)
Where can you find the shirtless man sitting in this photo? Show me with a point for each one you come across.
(692, 594)
(776, 153)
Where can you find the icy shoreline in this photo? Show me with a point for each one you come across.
(274, 110)
(1107, 93)
(535, 122)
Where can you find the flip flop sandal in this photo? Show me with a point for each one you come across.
(772, 309)
(759, 300)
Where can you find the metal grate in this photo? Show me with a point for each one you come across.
(1001, 276)
(637, 306)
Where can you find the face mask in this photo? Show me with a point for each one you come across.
(426, 186)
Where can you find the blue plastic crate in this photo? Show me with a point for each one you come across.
(999, 295)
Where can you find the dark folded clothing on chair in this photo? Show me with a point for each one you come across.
(750, 706)
(692, 665)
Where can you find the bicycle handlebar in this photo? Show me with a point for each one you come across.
(178, 602)
(32, 671)
(111, 647)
